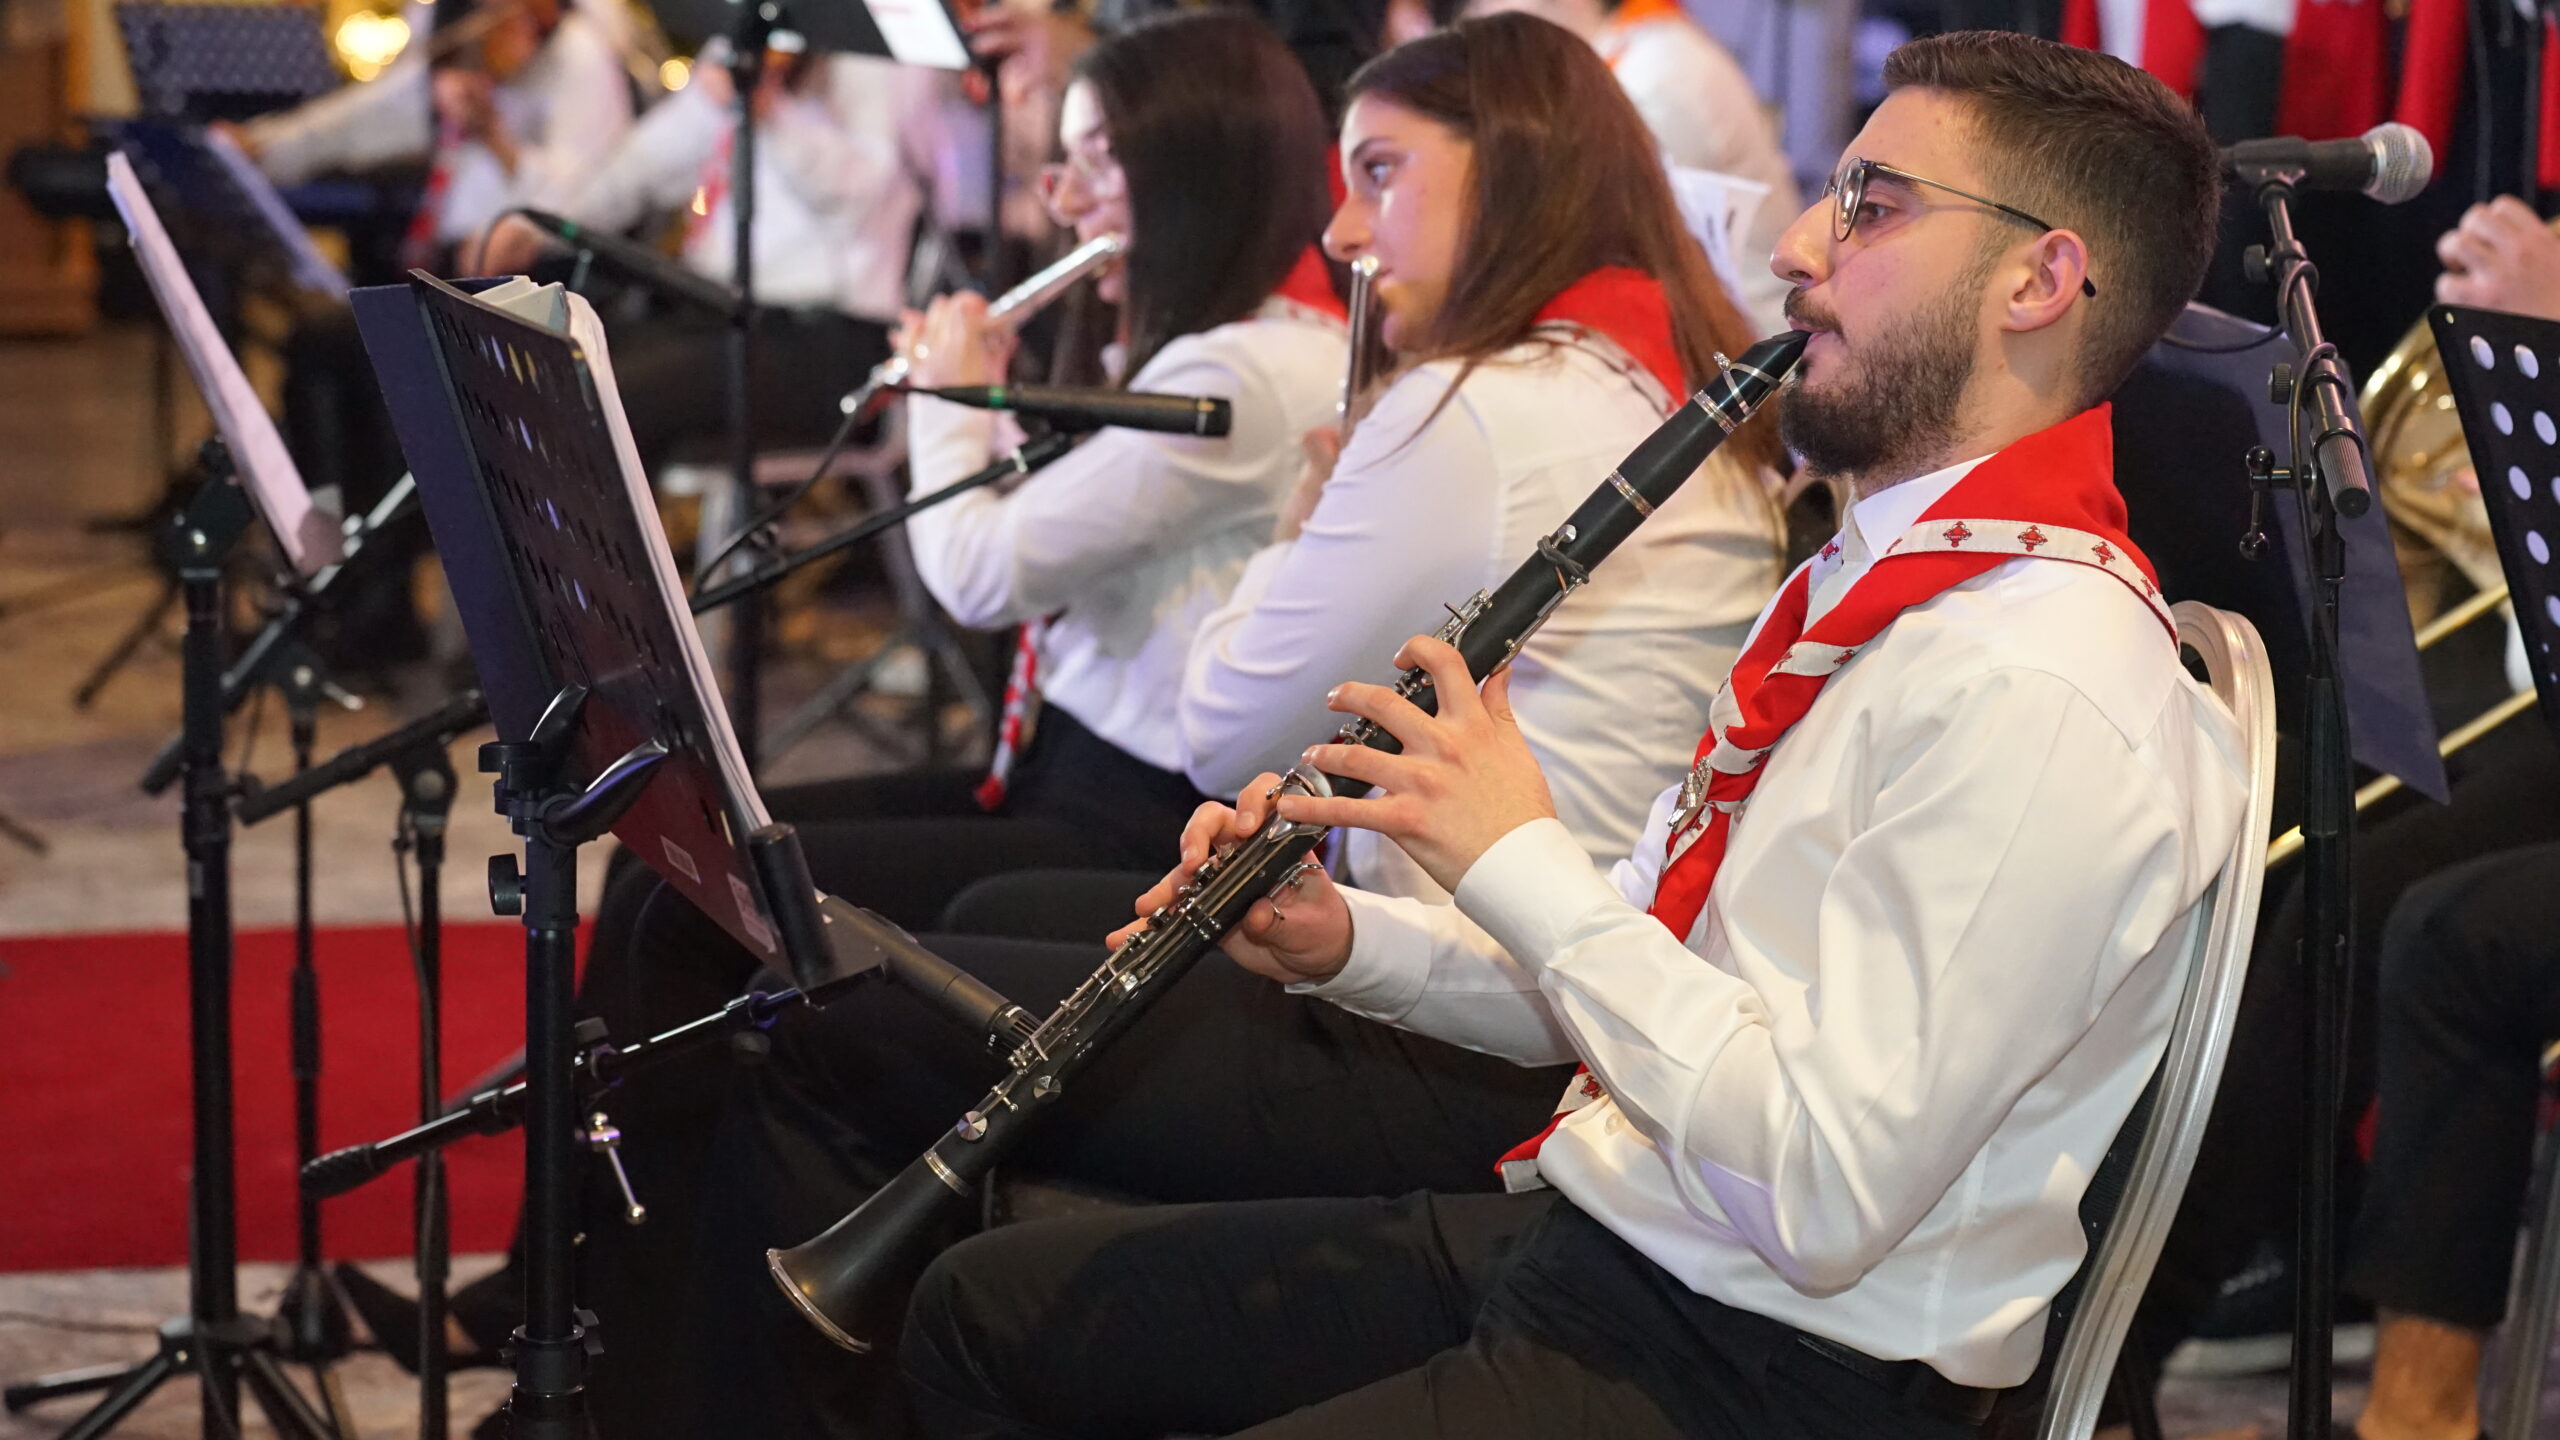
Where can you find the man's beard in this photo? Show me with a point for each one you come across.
(1894, 411)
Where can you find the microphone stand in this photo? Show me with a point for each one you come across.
(1034, 453)
(756, 21)
(2328, 474)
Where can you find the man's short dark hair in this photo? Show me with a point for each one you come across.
(2086, 141)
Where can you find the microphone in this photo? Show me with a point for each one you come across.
(637, 262)
(2390, 162)
(1069, 408)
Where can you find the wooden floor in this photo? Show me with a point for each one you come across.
(75, 444)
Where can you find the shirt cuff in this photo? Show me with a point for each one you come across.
(1531, 888)
(945, 437)
(1390, 964)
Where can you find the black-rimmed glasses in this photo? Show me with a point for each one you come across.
(1849, 188)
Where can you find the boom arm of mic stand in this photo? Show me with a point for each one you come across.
(493, 1112)
(1034, 454)
(460, 715)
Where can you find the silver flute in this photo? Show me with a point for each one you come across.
(1010, 310)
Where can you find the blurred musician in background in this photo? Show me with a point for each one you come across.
(842, 142)
(1545, 307)
(1850, 1042)
(1702, 111)
(510, 102)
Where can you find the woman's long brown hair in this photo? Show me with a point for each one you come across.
(1565, 179)
(1225, 148)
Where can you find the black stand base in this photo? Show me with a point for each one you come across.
(215, 1343)
(226, 1355)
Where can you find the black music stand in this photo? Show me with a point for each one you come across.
(224, 61)
(572, 603)
(2504, 372)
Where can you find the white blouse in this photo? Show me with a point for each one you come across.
(1132, 539)
(1424, 510)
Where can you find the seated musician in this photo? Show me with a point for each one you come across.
(1548, 307)
(840, 142)
(1870, 998)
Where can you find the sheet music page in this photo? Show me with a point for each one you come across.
(585, 328)
(1716, 207)
(920, 32)
(310, 536)
(311, 269)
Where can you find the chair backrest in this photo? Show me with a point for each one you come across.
(2134, 1194)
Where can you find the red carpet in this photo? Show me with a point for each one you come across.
(94, 1101)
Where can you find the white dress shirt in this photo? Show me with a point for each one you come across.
(1704, 114)
(1936, 968)
(566, 109)
(1132, 539)
(1426, 509)
(837, 192)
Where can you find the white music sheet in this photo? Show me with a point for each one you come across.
(311, 269)
(1716, 208)
(310, 536)
(920, 32)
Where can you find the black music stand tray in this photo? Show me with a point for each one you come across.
(224, 62)
(604, 704)
(2504, 372)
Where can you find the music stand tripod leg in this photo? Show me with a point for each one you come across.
(553, 1343)
(213, 1340)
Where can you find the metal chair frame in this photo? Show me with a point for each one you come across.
(2167, 1129)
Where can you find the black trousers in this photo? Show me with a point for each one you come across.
(1230, 1088)
(1470, 1317)
(2470, 994)
(2245, 1178)
(673, 373)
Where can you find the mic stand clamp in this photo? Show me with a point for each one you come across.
(555, 816)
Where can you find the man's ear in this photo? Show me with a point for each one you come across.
(2054, 273)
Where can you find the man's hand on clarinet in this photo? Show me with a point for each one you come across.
(1465, 779)
(1305, 936)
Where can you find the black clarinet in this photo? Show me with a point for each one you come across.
(834, 1278)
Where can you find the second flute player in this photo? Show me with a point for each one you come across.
(1867, 1001)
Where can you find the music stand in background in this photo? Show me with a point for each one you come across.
(224, 61)
(2504, 372)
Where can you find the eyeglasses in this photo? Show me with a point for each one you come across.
(1850, 187)
(1101, 179)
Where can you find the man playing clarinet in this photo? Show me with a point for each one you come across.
(1882, 978)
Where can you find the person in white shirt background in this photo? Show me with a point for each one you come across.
(842, 145)
(517, 102)
(1850, 1080)
(1701, 109)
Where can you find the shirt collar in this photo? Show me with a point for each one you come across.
(1880, 519)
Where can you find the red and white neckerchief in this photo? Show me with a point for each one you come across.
(708, 195)
(418, 242)
(2050, 496)
(1306, 291)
